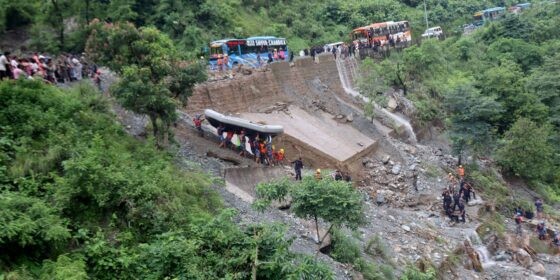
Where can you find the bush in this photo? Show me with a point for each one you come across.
(344, 249)
(376, 247)
(413, 273)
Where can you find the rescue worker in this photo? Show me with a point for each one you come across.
(337, 175)
(242, 143)
(556, 239)
(446, 201)
(461, 171)
(220, 62)
(298, 166)
(318, 175)
(220, 130)
(198, 125)
(541, 230)
(539, 206)
(456, 199)
(462, 211)
(518, 220)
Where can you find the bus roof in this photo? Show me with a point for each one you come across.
(218, 43)
(263, 38)
(523, 5)
(495, 9)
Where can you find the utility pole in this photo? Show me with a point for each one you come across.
(426, 15)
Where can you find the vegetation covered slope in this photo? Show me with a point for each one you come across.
(81, 199)
(497, 92)
(62, 24)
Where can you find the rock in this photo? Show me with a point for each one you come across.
(412, 167)
(386, 159)
(502, 257)
(340, 117)
(370, 165)
(538, 268)
(396, 169)
(350, 118)
(392, 104)
(523, 258)
(406, 228)
(380, 199)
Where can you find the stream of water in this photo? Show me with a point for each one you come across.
(349, 89)
(480, 248)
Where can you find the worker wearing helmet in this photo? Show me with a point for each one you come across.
(318, 175)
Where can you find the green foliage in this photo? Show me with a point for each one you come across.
(153, 76)
(28, 221)
(526, 150)
(65, 267)
(413, 273)
(470, 125)
(344, 248)
(335, 202)
(82, 200)
(376, 247)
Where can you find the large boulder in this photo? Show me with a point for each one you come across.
(538, 268)
(523, 258)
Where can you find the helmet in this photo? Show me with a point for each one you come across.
(450, 174)
(460, 166)
(282, 150)
(318, 170)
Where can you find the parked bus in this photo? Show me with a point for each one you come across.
(234, 48)
(382, 33)
(246, 51)
(488, 15)
(518, 8)
(262, 45)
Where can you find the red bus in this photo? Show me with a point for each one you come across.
(382, 33)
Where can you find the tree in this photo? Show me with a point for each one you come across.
(471, 116)
(154, 79)
(373, 85)
(334, 202)
(544, 82)
(526, 149)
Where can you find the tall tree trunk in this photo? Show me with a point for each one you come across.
(401, 81)
(87, 11)
(58, 14)
(155, 128)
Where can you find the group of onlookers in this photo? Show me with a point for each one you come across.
(63, 68)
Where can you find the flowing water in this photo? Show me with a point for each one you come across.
(480, 248)
(349, 89)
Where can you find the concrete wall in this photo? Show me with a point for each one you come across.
(278, 83)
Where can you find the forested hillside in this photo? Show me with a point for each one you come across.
(62, 24)
(81, 199)
(499, 89)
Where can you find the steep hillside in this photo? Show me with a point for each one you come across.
(61, 24)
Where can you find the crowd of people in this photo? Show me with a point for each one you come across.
(459, 191)
(63, 68)
(456, 195)
(256, 146)
(541, 229)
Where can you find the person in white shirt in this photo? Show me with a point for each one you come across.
(4, 66)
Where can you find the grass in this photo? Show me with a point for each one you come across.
(344, 249)
(432, 171)
(541, 246)
(493, 223)
(377, 248)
